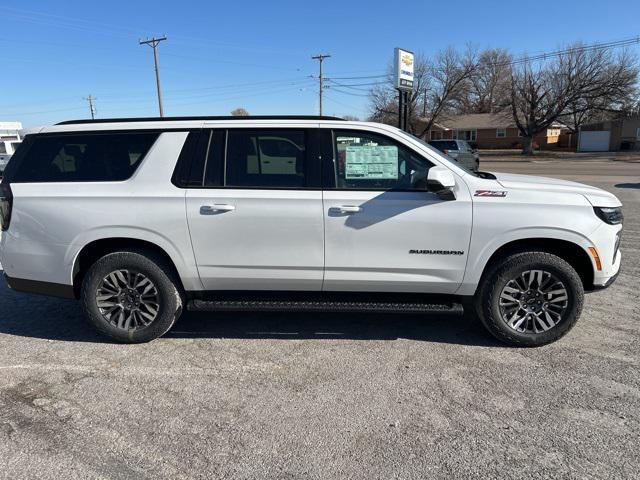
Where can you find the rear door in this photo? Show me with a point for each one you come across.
(256, 219)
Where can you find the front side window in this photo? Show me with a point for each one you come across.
(266, 158)
(446, 145)
(368, 161)
(83, 157)
(638, 133)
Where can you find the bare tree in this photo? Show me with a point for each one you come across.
(438, 84)
(488, 89)
(571, 82)
(618, 100)
(351, 118)
(239, 112)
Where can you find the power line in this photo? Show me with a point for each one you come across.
(360, 78)
(231, 62)
(153, 43)
(320, 57)
(113, 101)
(583, 48)
(330, 98)
(354, 86)
(47, 111)
(333, 89)
(223, 95)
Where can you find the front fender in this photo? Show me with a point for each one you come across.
(479, 255)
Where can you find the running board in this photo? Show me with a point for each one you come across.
(321, 306)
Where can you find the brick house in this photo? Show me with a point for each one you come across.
(612, 135)
(489, 131)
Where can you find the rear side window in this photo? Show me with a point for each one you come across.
(83, 157)
(266, 158)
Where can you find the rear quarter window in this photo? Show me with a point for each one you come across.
(100, 157)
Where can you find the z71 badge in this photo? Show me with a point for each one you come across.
(490, 193)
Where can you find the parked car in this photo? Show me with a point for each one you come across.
(460, 151)
(4, 160)
(141, 218)
(7, 148)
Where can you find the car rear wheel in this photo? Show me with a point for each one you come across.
(131, 296)
(530, 299)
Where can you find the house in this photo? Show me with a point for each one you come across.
(611, 135)
(489, 131)
(9, 137)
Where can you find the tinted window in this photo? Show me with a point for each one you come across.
(187, 173)
(367, 161)
(445, 145)
(83, 158)
(215, 159)
(269, 158)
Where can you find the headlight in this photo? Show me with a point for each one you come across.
(610, 215)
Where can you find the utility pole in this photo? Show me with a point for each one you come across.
(424, 104)
(320, 57)
(153, 43)
(92, 107)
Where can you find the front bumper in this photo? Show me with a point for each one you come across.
(606, 284)
(600, 282)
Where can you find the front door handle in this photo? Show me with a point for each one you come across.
(346, 209)
(216, 208)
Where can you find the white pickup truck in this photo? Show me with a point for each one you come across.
(140, 218)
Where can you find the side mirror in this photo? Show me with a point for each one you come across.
(440, 180)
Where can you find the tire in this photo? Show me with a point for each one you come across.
(164, 297)
(547, 316)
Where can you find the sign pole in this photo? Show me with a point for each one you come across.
(400, 108)
(405, 122)
(403, 73)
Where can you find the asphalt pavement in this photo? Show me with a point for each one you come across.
(323, 396)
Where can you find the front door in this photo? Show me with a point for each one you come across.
(383, 230)
(257, 223)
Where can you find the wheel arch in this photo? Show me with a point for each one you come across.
(569, 251)
(96, 249)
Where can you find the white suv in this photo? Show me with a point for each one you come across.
(137, 218)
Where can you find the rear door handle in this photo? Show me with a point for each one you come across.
(216, 208)
(346, 209)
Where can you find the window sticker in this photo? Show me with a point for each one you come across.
(372, 162)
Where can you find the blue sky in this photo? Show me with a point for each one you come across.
(255, 54)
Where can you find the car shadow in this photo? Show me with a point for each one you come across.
(48, 318)
(627, 185)
(386, 205)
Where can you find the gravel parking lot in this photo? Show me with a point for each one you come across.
(327, 395)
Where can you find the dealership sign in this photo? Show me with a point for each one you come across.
(403, 69)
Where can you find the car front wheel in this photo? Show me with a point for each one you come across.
(530, 299)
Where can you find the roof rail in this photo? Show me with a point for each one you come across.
(177, 119)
